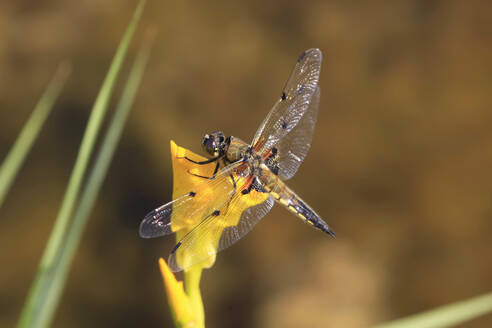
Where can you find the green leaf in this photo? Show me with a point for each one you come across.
(16, 156)
(446, 316)
(96, 178)
(37, 312)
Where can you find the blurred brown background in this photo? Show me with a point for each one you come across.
(400, 164)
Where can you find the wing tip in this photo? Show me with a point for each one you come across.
(301, 56)
(313, 52)
(150, 227)
(171, 262)
(143, 230)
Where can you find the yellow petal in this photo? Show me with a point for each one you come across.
(184, 182)
(178, 301)
(204, 247)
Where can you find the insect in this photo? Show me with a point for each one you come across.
(257, 170)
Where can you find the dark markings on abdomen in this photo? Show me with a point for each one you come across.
(312, 218)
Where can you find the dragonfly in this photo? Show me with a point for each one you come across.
(257, 170)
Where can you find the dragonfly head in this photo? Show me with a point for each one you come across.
(214, 143)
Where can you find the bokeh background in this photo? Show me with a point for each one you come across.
(400, 164)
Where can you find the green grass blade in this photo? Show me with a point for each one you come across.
(446, 316)
(95, 180)
(16, 156)
(36, 311)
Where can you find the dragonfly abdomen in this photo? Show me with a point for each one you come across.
(303, 211)
(285, 196)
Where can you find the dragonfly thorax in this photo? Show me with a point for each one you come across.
(236, 150)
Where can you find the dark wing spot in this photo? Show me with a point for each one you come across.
(192, 194)
(283, 97)
(284, 125)
(216, 213)
(258, 186)
(301, 57)
(176, 248)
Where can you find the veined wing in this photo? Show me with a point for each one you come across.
(293, 103)
(222, 228)
(293, 148)
(206, 198)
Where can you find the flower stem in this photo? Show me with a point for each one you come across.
(192, 289)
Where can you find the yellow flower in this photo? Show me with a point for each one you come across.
(184, 182)
(185, 301)
(205, 247)
(179, 303)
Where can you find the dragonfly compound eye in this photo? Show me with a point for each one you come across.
(209, 144)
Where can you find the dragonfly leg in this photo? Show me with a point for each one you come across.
(233, 182)
(208, 161)
(204, 177)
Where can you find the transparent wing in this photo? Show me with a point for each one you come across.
(293, 103)
(158, 222)
(216, 233)
(249, 218)
(293, 148)
(207, 197)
